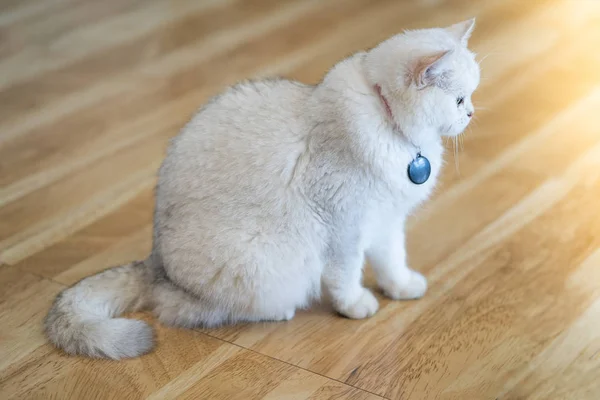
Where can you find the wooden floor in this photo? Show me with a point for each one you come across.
(91, 91)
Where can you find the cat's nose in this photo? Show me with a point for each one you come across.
(470, 114)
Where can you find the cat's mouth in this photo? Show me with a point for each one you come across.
(447, 130)
(452, 130)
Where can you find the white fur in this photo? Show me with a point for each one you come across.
(275, 188)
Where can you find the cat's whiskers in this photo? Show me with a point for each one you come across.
(490, 53)
(455, 145)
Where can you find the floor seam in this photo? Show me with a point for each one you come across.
(37, 275)
(293, 365)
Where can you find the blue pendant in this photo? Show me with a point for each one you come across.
(419, 170)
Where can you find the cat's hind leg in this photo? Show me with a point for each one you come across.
(278, 316)
(175, 307)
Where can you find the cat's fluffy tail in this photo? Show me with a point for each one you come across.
(82, 319)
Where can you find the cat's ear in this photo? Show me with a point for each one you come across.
(462, 31)
(428, 69)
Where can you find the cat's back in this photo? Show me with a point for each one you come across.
(253, 113)
(243, 146)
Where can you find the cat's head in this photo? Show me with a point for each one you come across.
(427, 77)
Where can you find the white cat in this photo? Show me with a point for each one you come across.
(275, 188)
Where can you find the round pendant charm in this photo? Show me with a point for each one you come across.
(419, 170)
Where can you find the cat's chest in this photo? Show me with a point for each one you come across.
(405, 192)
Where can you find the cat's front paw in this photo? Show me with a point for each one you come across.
(414, 288)
(364, 307)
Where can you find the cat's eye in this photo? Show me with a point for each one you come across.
(460, 101)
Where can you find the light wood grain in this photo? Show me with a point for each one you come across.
(91, 92)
